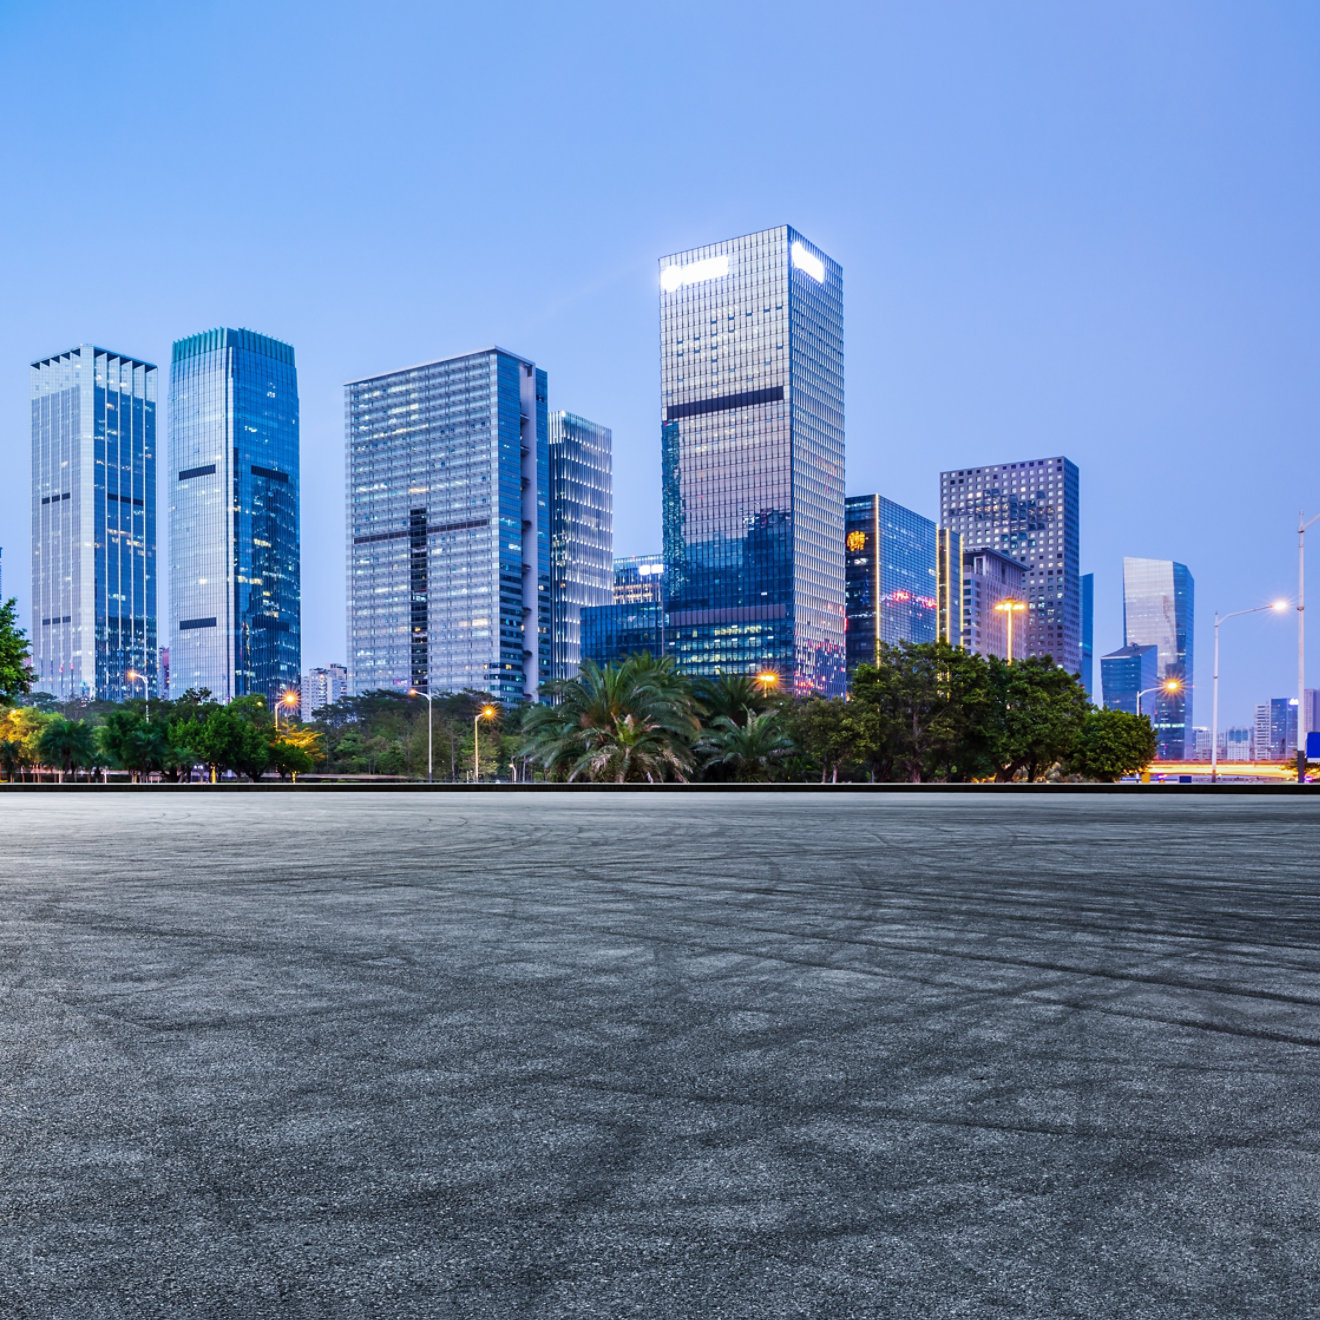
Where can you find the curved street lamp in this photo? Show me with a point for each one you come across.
(289, 698)
(134, 677)
(1277, 606)
(417, 692)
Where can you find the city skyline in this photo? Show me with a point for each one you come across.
(1126, 280)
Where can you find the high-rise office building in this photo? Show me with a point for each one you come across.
(322, 687)
(1276, 730)
(1310, 712)
(448, 527)
(1029, 512)
(890, 577)
(639, 579)
(1125, 674)
(581, 532)
(751, 366)
(1237, 743)
(990, 578)
(1088, 633)
(235, 579)
(93, 524)
(1158, 611)
(949, 616)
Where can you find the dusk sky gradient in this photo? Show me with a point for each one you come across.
(1081, 229)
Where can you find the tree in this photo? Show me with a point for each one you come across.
(749, 752)
(825, 732)
(67, 745)
(735, 697)
(632, 722)
(20, 732)
(130, 742)
(15, 667)
(228, 738)
(1039, 712)
(1113, 743)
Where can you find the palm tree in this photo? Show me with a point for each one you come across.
(748, 752)
(625, 723)
(66, 744)
(735, 697)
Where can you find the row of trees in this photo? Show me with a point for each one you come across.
(929, 712)
(240, 737)
(925, 713)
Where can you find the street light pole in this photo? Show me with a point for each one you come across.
(1010, 607)
(415, 692)
(134, 677)
(1302, 525)
(1214, 727)
(485, 713)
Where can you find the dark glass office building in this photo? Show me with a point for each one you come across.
(1158, 610)
(1127, 672)
(94, 524)
(449, 527)
(581, 532)
(1029, 512)
(235, 578)
(1088, 633)
(890, 577)
(751, 341)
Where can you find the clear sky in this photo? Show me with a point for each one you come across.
(1078, 228)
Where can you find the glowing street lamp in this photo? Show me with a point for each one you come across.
(289, 698)
(1169, 685)
(485, 713)
(768, 679)
(1010, 607)
(417, 692)
(134, 677)
(1278, 606)
(1302, 730)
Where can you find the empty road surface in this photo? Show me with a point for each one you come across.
(734, 1056)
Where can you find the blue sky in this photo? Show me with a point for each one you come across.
(1086, 229)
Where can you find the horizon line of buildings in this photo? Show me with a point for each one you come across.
(480, 521)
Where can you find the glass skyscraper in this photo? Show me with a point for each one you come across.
(235, 582)
(890, 577)
(581, 533)
(639, 578)
(751, 368)
(1127, 672)
(448, 527)
(1088, 633)
(93, 524)
(1028, 512)
(1158, 611)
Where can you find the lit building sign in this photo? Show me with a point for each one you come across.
(814, 266)
(856, 540)
(696, 272)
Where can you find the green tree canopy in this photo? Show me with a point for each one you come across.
(15, 657)
(1113, 743)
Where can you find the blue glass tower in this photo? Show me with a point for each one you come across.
(1088, 633)
(93, 524)
(235, 585)
(581, 532)
(751, 366)
(891, 577)
(1127, 672)
(1158, 610)
(449, 580)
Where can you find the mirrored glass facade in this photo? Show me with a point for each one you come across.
(1158, 610)
(235, 583)
(1125, 673)
(448, 527)
(581, 532)
(93, 524)
(752, 448)
(639, 579)
(891, 577)
(1030, 513)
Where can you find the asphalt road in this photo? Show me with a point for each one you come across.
(673, 1057)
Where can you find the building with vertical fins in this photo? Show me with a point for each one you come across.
(1158, 610)
(1028, 512)
(235, 584)
(93, 524)
(890, 577)
(581, 533)
(751, 367)
(988, 579)
(448, 527)
(949, 586)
